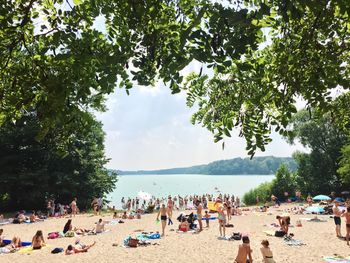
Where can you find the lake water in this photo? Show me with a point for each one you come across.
(184, 184)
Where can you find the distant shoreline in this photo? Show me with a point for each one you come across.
(160, 174)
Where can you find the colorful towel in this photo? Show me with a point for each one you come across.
(336, 259)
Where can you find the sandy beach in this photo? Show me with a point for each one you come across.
(187, 247)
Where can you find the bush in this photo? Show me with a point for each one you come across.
(263, 191)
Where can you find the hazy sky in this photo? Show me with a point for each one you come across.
(151, 129)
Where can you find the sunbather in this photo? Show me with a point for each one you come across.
(184, 226)
(266, 252)
(38, 240)
(78, 249)
(244, 251)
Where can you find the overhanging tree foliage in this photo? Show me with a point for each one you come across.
(59, 167)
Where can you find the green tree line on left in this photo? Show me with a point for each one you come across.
(69, 162)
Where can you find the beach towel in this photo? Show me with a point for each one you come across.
(293, 242)
(182, 232)
(269, 232)
(30, 249)
(336, 259)
(23, 244)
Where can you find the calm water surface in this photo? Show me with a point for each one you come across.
(184, 184)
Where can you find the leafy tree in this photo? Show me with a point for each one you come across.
(306, 56)
(344, 165)
(283, 182)
(33, 170)
(54, 59)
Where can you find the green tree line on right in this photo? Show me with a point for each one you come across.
(326, 167)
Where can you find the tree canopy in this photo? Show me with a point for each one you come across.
(55, 59)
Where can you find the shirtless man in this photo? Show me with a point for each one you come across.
(221, 217)
(199, 214)
(163, 217)
(337, 213)
(244, 251)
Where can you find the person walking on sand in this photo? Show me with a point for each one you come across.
(347, 221)
(199, 214)
(74, 207)
(170, 210)
(337, 220)
(163, 217)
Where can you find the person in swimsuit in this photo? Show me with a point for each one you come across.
(347, 221)
(244, 254)
(38, 240)
(74, 250)
(284, 222)
(184, 226)
(74, 207)
(337, 220)
(163, 217)
(170, 210)
(266, 252)
(221, 217)
(94, 205)
(199, 214)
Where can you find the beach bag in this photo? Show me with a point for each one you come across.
(298, 223)
(53, 235)
(69, 234)
(279, 233)
(57, 250)
(236, 236)
(133, 242)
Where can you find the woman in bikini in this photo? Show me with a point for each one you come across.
(221, 217)
(244, 252)
(82, 248)
(38, 240)
(266, 252)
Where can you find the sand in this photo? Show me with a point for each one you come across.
(203, 247)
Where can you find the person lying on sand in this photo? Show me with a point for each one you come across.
(38, 240)
(244, 254)
(266, 252)
(78, 249)
(12, 247)
(69, 227)
(184, 226)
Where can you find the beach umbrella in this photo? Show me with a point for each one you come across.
(345, 193)
(144, 196)
(321, 198)
(315, 209)
(339, 199)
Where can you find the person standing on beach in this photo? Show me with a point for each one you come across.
(199, 214)
(337, 220)
(163, 217)
(74, 207)
(170, 209)
(221, 217)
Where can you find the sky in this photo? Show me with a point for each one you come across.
(151, 129)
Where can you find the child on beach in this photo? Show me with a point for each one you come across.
(347, 222)
(266, 252)
(38, 240)
(244, 252)
(207, 216)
